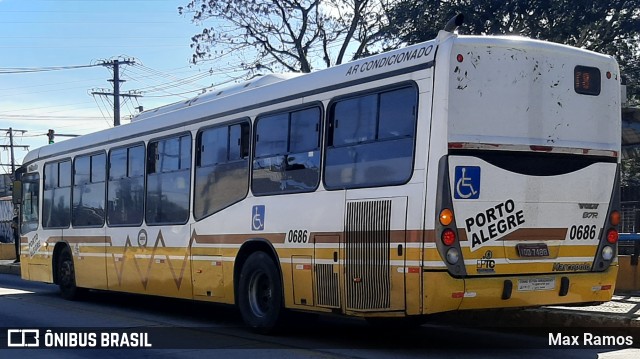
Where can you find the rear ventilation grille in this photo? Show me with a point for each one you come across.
(327, 286)
(367, 266)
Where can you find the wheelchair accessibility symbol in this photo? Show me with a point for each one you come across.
(257, 218)
(467, 182)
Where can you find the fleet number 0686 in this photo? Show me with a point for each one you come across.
(298, 236)
(583, 232)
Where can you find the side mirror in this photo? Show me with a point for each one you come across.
(17, 192)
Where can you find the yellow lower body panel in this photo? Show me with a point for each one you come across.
(39, 272)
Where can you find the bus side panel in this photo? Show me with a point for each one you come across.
(442, 292)
(151, 260)
(36, 257)
(415, 235)
(89, 260)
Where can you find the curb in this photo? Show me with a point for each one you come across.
(579, 318)
(13, 268)
(544, 317)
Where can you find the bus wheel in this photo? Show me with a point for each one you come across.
(260, 293)
(67, 276)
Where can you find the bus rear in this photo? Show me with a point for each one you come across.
(533, 147)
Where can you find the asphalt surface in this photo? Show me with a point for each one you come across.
(623, 312)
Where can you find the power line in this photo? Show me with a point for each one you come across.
(46, 84)
(23, 70)
(178, 94)
(176, 83)
(45, 107)
(48, 117)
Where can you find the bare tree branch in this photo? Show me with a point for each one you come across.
(283, 34)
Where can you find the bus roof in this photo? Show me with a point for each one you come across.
(273, 88)
(518, 42)
(282, 87)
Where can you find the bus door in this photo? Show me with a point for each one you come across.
(374, 244)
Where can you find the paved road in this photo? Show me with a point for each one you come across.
(194, 330)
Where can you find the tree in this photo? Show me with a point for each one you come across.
(610, 27)
(630, 172)
(289, 35)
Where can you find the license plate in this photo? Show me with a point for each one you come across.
(536, 284)
(532, 250)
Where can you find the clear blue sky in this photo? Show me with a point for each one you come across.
(45, 33)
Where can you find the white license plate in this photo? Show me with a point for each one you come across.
(536, 284)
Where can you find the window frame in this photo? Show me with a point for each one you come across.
(144, 183)
(190, 181)
(328, 130)
(44, 179)
(106, 182)
(321, 147)
(31, 177)
(197, 154)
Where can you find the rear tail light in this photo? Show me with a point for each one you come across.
(586, 80)
(607, 248)
(446, 231)
(453, 255)
(448, 237)
(614, 218)
(446, 217)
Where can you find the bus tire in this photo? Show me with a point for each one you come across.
(260, 293)
(67, 276)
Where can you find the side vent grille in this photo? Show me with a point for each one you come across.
(367, 266)
(328, 294)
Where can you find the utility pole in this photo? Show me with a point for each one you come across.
(16, 236)
(11, 146)
(115, 65)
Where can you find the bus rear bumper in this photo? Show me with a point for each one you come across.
(521, 291)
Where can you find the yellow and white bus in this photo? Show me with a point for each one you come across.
(466, 172)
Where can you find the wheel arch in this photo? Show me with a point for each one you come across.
(59, 247)
(248, 248)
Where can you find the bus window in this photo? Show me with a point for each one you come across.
(222, 168)
(89, 191)
(355, 120)
(168, 180)
(287, 153)
(126, 186)
(370, 141)
(30, 207)
(56, 211)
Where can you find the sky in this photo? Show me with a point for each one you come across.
(36, 34)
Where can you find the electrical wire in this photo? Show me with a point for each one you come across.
(22, 70)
